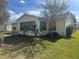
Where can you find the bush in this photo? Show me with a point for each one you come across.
(55, 34)
(69, 31)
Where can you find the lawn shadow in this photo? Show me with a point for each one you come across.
(54, 37)
(16, 39)
(30, 46)
(26, 45)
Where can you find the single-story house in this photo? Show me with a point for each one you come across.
(27, 24)
(9, 27)
(4, 27)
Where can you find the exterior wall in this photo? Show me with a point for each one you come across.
(18, 26)
(60, 27)
(27, 18)
(69, 21)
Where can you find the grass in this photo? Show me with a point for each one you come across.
(22, 47)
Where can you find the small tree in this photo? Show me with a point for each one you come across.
(3, 16)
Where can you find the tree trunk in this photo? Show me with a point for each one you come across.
(2, 39)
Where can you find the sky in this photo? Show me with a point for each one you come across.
(17, 8)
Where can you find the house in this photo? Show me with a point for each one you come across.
(27, 24)
(2, 28)
(9, 27)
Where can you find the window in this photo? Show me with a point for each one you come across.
(25, 26)
(42, 26)
(31, 25)
(52, 26)
(22, 26)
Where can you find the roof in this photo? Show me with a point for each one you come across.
(39, 18)
(62, 16)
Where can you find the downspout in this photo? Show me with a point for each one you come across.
(65, 27)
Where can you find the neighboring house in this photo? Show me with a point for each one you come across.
(27, 24)
(2, 28)
(9, 27)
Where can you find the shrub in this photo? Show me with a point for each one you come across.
(55, 34)
(69, 31)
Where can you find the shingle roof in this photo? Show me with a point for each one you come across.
(39, 18)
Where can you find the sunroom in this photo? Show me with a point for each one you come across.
(39, 27)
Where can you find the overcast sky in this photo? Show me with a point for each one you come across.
(16, 8)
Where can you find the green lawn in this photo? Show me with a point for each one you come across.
(20, 47)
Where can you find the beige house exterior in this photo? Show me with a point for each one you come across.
(43, 26)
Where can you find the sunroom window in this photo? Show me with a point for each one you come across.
(52, 26)
(26, 26)
(42, 26)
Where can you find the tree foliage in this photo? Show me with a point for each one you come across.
(3, 12)
(4, 17)
(52, 8)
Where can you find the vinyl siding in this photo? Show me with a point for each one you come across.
(60, 27)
